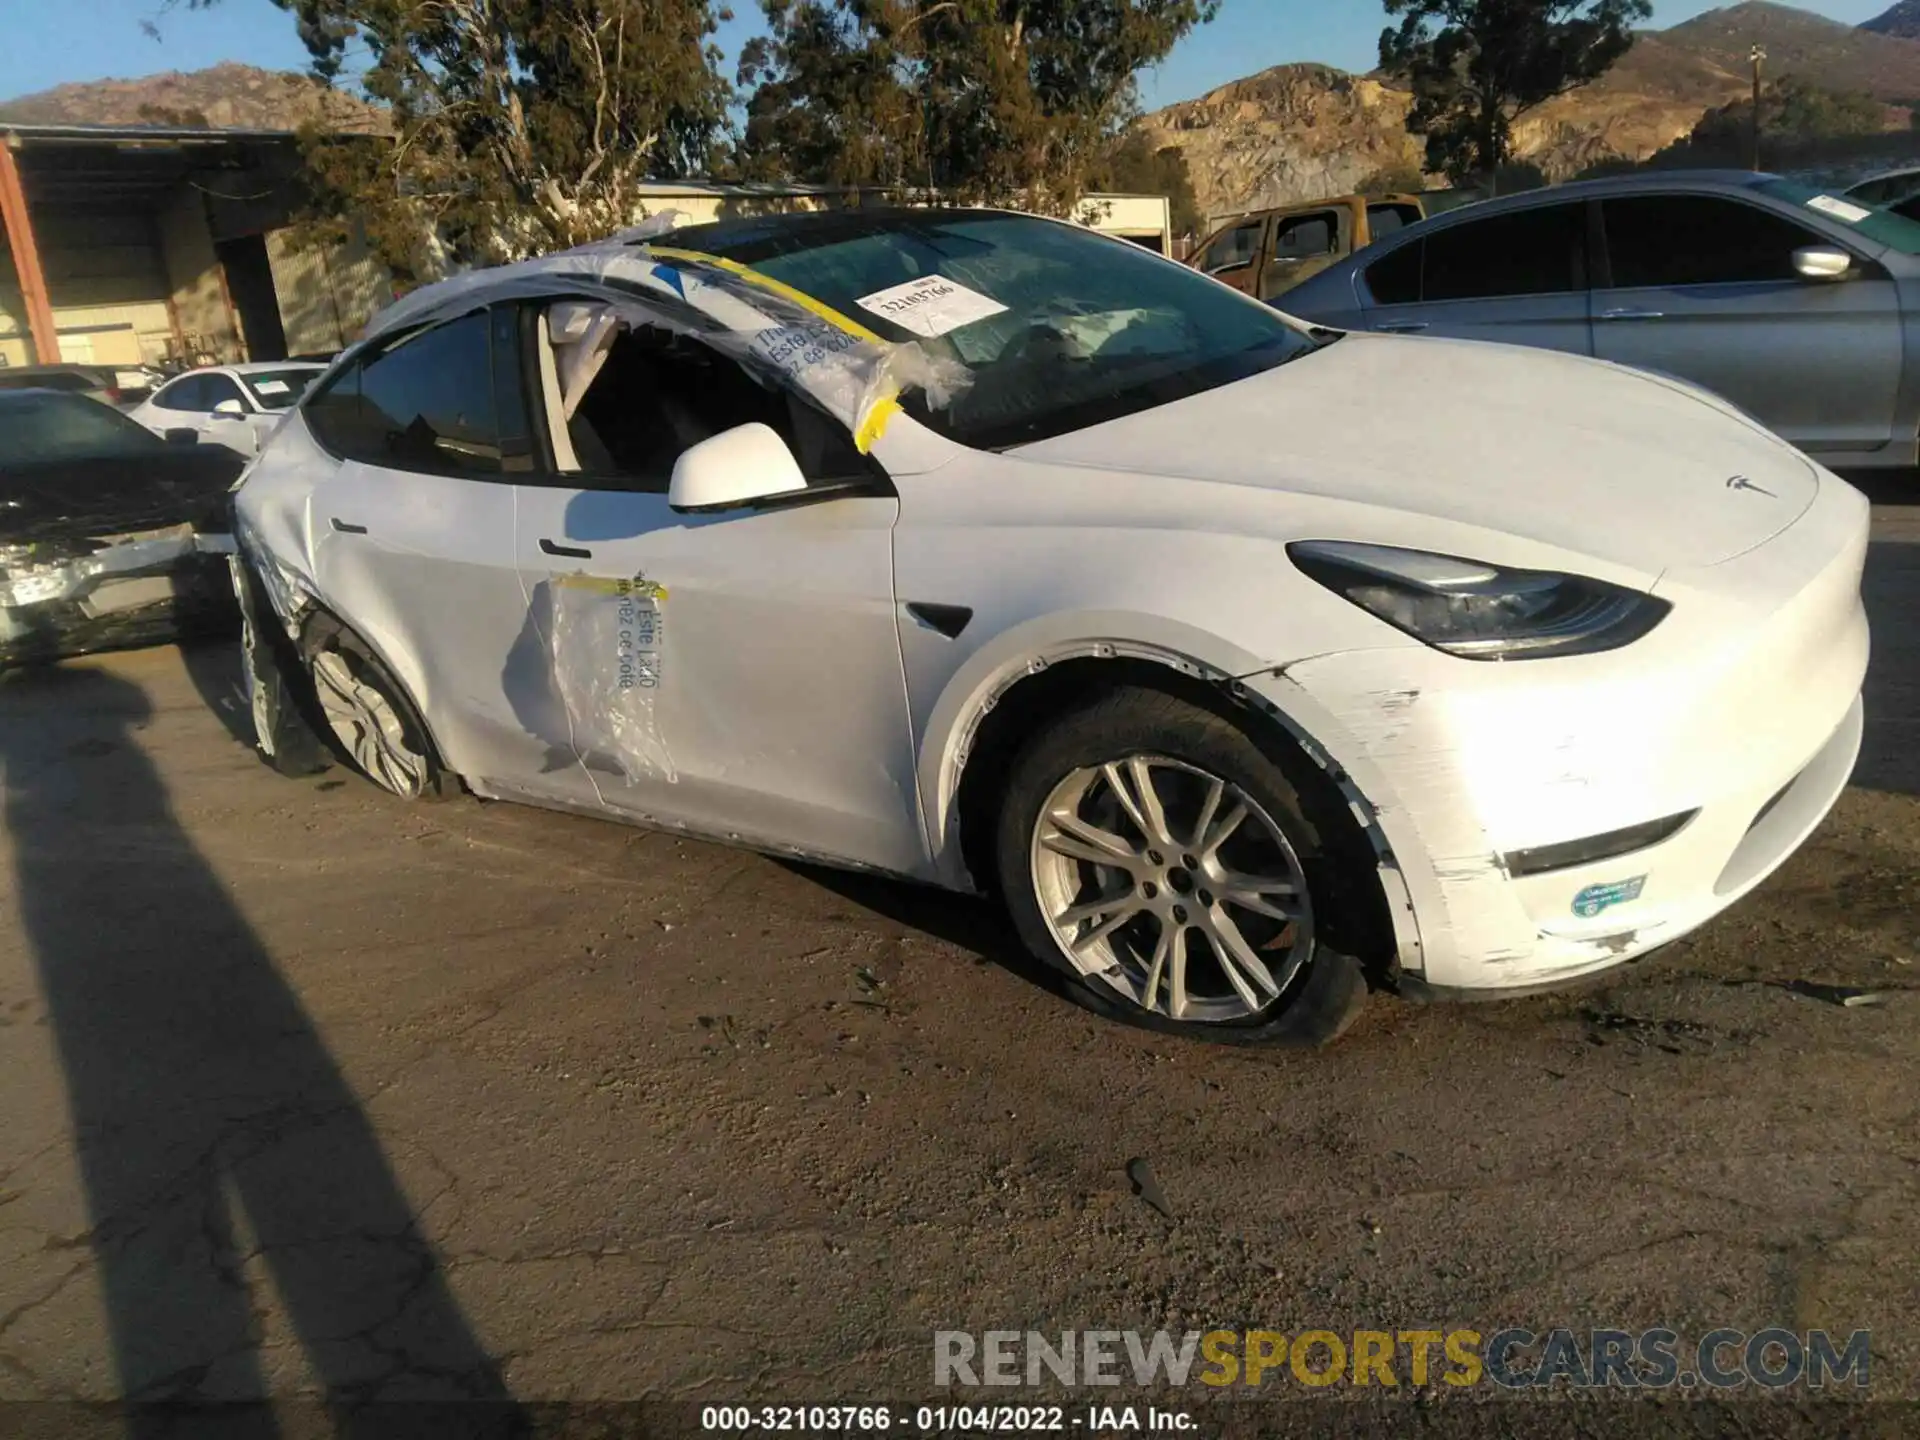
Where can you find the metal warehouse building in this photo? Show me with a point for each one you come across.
(131, 244)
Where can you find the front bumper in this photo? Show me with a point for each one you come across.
(1744, 706)
(139, 589)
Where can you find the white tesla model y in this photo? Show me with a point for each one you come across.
(1243, 661)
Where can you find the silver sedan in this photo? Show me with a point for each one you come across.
(1800, 307)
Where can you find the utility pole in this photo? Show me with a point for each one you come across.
(1759, 58)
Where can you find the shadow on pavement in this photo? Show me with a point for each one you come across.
(211, 1124)
(974, 925)
(214, 667)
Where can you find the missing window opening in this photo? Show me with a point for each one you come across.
(656, 393)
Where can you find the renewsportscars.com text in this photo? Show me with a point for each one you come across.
(1513, 1359)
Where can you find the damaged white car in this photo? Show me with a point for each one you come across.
(1242, 660)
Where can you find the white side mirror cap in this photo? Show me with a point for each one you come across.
(1821, 262)
(736, 467)
(231, 408)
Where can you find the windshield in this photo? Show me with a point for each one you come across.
(1881, 226)
(47, 429)
(1061, 328)
(278, 389)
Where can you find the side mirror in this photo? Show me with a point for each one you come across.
(1822, 262)
(232, 409)
(183, 437)
(736, 467)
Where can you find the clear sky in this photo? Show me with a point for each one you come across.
(49, 42)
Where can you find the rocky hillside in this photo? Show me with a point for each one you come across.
(1296, 132)
(228, 97)
(1825, 52)
(1902, 20)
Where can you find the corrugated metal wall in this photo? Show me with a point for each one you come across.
(327, 292)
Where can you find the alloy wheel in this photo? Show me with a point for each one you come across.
(1173, 887)
(368, 727)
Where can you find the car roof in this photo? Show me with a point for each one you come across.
(760, 236)
(743, 239)
(1905, 172)
(250, 367)
(24, 393)
(1641, 182)
(1387, 197)
(65, 367)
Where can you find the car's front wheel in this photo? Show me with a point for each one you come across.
(370, 717)
(1151, 851)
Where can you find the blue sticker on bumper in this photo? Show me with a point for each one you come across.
(1595, 898)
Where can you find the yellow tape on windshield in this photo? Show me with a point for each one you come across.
(766, 282)
(874, 424)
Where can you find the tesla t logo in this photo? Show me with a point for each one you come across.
(1741, 482)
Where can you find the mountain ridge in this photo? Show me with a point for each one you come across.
(1295, 132)
(227, 96)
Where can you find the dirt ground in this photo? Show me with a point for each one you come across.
(306, 1089)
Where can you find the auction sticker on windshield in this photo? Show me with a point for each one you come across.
(1843, 209)
(930, 306)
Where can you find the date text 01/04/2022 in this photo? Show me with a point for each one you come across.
(639, 634)
(944, 1419)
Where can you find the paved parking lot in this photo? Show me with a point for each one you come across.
(305, 1088)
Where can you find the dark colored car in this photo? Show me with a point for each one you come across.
(110, 537)
(109, 384)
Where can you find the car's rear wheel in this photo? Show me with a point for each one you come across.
(370, 718)
(1154, 854)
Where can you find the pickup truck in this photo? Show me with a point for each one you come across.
(1268, 252)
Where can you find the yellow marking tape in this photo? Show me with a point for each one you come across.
(605, 585)
(874, 424)
(753, 277)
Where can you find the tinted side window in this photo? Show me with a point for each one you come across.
(422, 402)
(1395, 279)
(216, 388)
(1384, 220)
(1530, 252)
(180, 395)
(1699, 240)
(1235, 248)
(1306, 236)
(657, 394)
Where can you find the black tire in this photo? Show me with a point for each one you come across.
(326, 637)
(1327, 992)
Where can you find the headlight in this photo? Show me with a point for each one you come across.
(1480, 612)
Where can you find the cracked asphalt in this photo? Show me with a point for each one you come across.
(309, 1091)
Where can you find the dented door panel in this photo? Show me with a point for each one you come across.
(421, 567)
(734, 674)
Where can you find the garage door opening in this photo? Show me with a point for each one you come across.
(250, 284)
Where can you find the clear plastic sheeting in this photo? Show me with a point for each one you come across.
(650, 228)
(608, 644)
(780, 336)
(272, 678)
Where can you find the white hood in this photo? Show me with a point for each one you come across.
(1586, 456)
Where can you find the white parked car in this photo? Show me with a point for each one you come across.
(232, 405)
(1241, 660)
